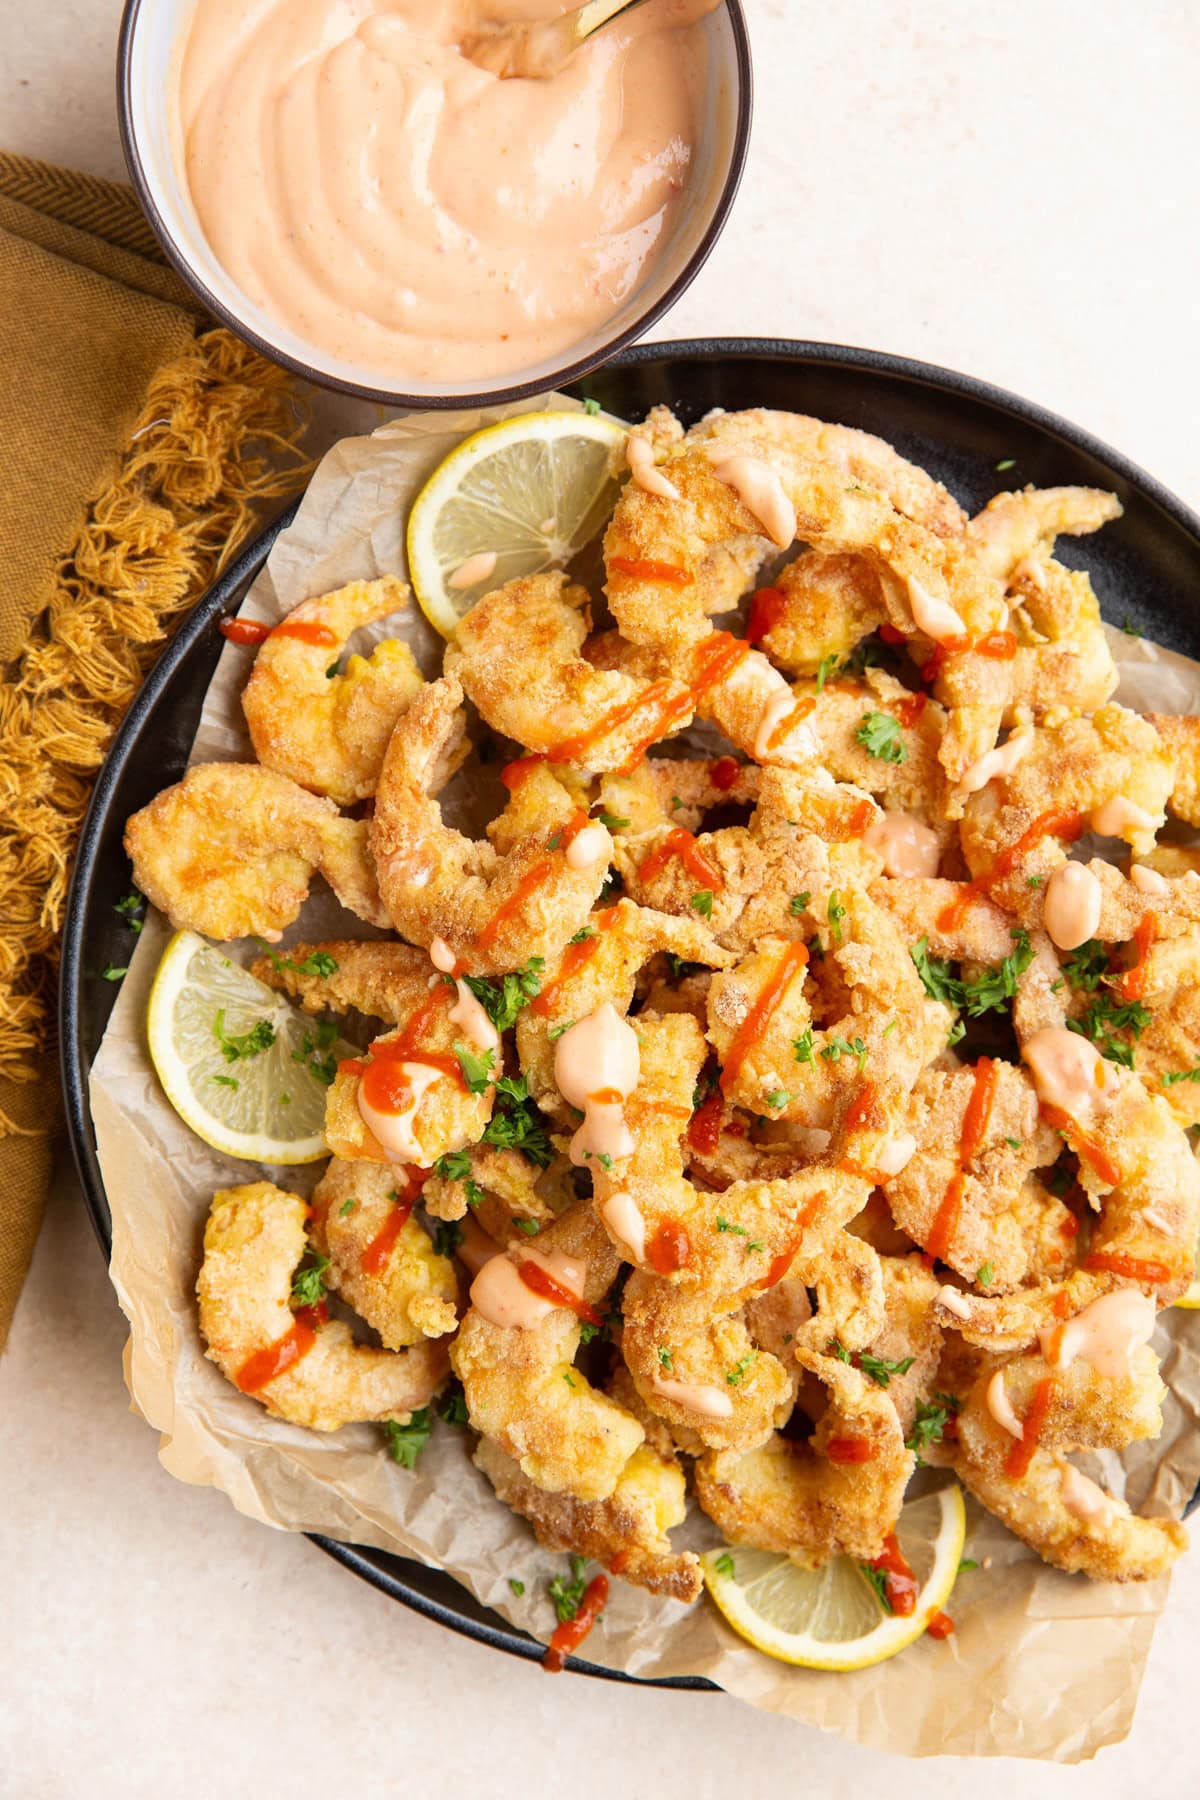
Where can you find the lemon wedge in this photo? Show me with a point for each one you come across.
(245, 1070)
(519, 496)
(832, 1617)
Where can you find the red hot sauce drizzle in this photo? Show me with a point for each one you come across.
(899, 1583)
(1020, 1455)
(244, 631)
(375, 1257)
(570, 1634)
(266, 1365)
(540, 1281)
(974, 1129)
(1062, 824)
(682, 844)
(790, 964)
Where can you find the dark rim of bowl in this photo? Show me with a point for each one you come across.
(219, 600)
(443, 402)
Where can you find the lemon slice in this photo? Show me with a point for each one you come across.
(530, 491)
(266, 1104)
(832, 1618)
(1192, 1298)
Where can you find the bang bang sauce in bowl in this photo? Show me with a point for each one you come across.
(348, 189)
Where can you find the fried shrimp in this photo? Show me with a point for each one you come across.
(514, 1355)
(322, 726)
(1021, 527)
(838, 1494)
(1182, 739)
(1019, 1421)
(518, 657)
(302, 1365)
(626, 1532)
(493, 910)
(380, 1260)
(231, 850)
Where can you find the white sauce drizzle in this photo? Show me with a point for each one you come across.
(623, 1217)
(466, 1011)
(1001, 761)
(1064, 1068)
(1119, 817)
(761, 492)
(1081, 1496)
(1105, 1334)
(500, 1296)
(475, 569)
(639, 454)
(596, 1067)
(695, 1396)
(1149, 881)
(954, 1302)
(1071, 909)
(587, 847)
(895, 1153)
(394, 1131)
(1001, 1407)
(935, 617)
(908, 847)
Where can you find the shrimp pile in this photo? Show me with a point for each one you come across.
(752, 1112)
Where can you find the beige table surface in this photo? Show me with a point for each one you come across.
(1003, 188)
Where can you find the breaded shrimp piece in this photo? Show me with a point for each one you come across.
(231, 851)
(253, 1242)
(1019, 527)
(728, 1244)
(822, 604)
(851, 1310)
(517, 655)
(1111, 770)
(395, 1280)
(978, 1136)
(1182, 739)
(909, 1333)
(1064, 1517)
(603, 965)
(696, 1363)
(566, 1437)
(908, 778)
(626, 1533)
(822, 1498)
(494, 911)
(674, 792)
(856, 455)
(432, 1111)
(384, 980)
(503, 1190)
(328, 732)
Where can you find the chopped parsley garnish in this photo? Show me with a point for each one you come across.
(835, 912)
(680, 970)
(965, 1563)
(587, 1331)
(316, 1054)
(724, 1564)
(517, 1124)
(881, 1370)
(936, 973)
(958, 1032)
(591, 406)
(878, 1580)
(1034, 881)
(1129, 628)
(502, 1000)
(802, 1046)
(235, 1045)
(566, 1595)
(838, 1046)
(610, 886)
(406, 1442)
(728, 1225)
(676, 803)
(554, 842)
(825, 669)
(518, 1587)
(612, 821)
(447, 1237)
(111, 973)
(1174, 1075)
(879, 735)
(556, 1031)
(347, 1207)
(929, 1425)
(1014, 1143)
(317, 962)
(984, 1274)
(226, 1081)
(529, 1227)
(1086, 967)
(333, 669)
(702, 903)
(1103, 1017)
(308, 1283)
(452, 1405)
(455, 1165)
(734, 1375)
(991, 990)
(568, 1378)
(799, 902)
(778, 1097)
(476, 1067)
(130, 909)
(1009, 462)
(586, 932)
(473, 1191)
(665, 1358)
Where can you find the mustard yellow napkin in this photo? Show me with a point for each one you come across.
(140, 446)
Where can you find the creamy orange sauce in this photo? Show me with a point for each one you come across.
(774, 730)
(1120, 817)
(695, 1396)
(1067, 1071)
(934, 616)
(400, 208)
(500, 1296)
(954, 1301)
(587, 847)
(1071, 910)
(639, 454)
(1149, 881)
(1001, 761)
(1082, 1497)
(895, 1153)
(906, 845)
(761, 492)
(1001, 1407)
(596, 1067)
(475, 569)
(394, 1131)
(624, 1219)
(1105, 1334)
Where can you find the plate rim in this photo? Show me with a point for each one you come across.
(74, 1068)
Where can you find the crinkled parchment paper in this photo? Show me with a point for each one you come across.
(1040, 1664)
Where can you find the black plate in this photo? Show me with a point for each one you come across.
(1145, 568)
